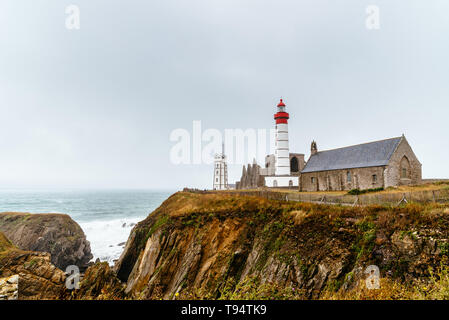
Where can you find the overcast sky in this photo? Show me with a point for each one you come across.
(94, 107)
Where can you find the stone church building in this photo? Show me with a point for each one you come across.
(378, 164)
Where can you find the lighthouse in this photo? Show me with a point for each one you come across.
(282, 176)
(220, 171)
(282, 153)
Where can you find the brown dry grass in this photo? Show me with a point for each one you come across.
(399, 189)
(186, 203)
(298, 216)
(389, 290)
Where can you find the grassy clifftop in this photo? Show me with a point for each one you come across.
(232, 246)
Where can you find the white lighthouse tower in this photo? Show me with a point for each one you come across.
(220, 171)
(282, 152)
(282, 177)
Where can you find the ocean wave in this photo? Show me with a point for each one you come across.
(108, 237)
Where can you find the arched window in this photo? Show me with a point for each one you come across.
(275, 183)
(348, 176)
(294, 164)
(405, 168)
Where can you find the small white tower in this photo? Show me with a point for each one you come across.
(220, 171)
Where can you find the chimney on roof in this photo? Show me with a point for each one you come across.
(313, 148)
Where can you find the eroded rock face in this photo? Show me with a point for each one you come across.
(56, 234)
(38, 278)
(196, 243)
(9, 288)
(99, 282)
(27, 275)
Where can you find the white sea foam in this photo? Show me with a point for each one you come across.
(105, 237)
(100, 213)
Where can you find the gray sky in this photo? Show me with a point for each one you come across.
(95, 107)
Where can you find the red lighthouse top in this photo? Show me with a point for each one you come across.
(281, 116)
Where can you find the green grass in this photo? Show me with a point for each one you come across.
(444, 248)
(355, 192)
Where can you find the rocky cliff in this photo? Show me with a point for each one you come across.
(56, 234)
(228, 246)
(37, 277)
(28, 275)
(100, 282)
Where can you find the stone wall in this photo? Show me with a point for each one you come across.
(270, 161)
(269, 169)
(337, 180)
(394, 174)
(300, 163)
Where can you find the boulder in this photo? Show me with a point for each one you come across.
(405, 243)
(57, 234)
(99, 283)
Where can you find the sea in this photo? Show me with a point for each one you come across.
(106, 216)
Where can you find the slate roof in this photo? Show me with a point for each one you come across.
(371, 154)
